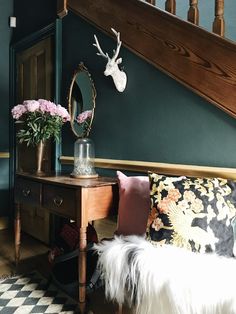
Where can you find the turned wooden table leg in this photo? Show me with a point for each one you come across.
(120, 309)
(82, 268)
(17, 233)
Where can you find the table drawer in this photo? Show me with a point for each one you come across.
(59, 199)
(27, 192)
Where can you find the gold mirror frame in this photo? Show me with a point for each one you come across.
(72, 103)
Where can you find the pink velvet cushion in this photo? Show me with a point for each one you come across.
(134, 204)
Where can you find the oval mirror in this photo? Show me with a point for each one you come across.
(81, 105)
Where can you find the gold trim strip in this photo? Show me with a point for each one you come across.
(162, 168)
(4, 155)
(4, 223)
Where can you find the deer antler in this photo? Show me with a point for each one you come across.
(119, 42)
(112, 67)
(100, 53)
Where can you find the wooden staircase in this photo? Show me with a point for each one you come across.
(203, 61)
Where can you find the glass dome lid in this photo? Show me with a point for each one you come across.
(84, 159)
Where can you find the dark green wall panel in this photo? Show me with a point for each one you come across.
(154, 119)
(33, 16)
(6, 9)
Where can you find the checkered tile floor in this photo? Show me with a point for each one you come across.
(31, 294)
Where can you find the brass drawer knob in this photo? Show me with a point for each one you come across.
(58, 200)
(26, 192)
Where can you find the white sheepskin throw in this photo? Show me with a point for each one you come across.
(166, 280)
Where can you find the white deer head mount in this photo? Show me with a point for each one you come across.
(119, 76)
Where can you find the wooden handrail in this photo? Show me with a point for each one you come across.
(219, 22)
(193, 12)
(170, 6)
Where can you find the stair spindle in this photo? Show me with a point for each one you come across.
(193, 12)
(170, 6)
(219, 22)
(153, 2)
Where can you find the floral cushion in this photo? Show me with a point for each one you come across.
(234, 228)
(194, 213)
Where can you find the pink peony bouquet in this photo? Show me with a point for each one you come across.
(40, 120)
(84, 119)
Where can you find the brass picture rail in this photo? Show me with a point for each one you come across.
(4, 155)
(161, 168)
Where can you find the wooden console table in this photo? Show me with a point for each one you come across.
(82, 200)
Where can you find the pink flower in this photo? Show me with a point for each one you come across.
(47, 106)
(157, 224)
(83, 116)
(18, 111)
(174, 194)
(31, 105)
(62, 112)
(152, 216)
(164, 205)
(42, 120)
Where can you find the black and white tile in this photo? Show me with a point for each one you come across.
(31, 293)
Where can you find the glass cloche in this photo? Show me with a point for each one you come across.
(84, 159)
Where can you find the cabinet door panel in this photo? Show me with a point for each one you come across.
(28, 192)
(61, 200)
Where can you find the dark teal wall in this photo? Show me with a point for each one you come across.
(32, 16)
(154, 119)
(5, 35)
(6, 9)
